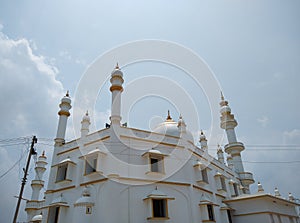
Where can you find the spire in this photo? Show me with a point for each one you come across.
(169, 118)
(222, 96)
(117, 66)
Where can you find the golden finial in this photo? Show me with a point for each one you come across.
(169, 116)
(67, 94)
(117, 66)
(222, 96)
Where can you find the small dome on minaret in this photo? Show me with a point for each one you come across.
(117, 71)
(224, 105)
(66, 98)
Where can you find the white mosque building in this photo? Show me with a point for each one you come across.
(122, 174)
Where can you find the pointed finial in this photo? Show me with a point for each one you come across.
(201, 133)
(117, 66)
(180, 116)
(222, 96)
(169, 116)
(87, 113)
(67, 94)
(43, 154)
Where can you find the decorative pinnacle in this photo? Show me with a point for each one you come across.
(169, 116)
(87, 113)
(201, 132)
(117, 66)
(43, 154)
(67, 94)
(222, 96)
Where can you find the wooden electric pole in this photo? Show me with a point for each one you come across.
(31, 152)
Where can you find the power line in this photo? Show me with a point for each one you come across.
(11, 168)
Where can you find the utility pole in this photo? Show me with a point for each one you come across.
(31, 152)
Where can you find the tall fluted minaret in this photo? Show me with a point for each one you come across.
(234, 148)
(33, 205)
(63, 113)
(116, 89)
(85, 124)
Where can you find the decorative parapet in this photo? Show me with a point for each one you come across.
(246, 178)
(34, 204)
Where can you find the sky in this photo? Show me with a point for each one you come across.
(251, 47)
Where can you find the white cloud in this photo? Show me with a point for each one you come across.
(291, 137)
(263, 121)
(29, 98)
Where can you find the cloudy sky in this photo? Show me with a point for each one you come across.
(252, 47)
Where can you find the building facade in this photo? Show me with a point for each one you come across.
(123, 174)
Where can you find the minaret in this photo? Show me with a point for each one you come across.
(37, 184)
(63, 113)
(234, 148)
(203, 141)
(116, 89)
(220, 154)
(85, 124)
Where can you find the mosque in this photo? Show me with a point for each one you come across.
(123, 174)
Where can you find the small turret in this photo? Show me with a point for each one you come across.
(203, 141)
(277, 193)
(260, 188)
(181, 125)
(220, 154)
(291, 197)
(85, 123)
